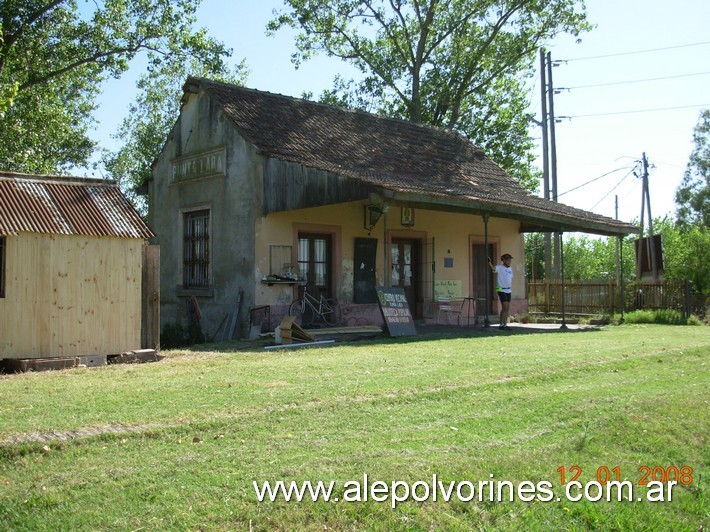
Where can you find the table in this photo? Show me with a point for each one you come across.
(469, 302)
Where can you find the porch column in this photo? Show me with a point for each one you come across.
(486, 321)
(562, 278)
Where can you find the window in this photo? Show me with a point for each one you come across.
(196, 250)
(315, 261)
(2, 266)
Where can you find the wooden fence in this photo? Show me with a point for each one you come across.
(584, 297)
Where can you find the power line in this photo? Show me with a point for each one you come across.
(596, 179)
(639, 111)
(633, 81)
(630, 172)
(631, 53)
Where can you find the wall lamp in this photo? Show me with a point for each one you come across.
(373, 213)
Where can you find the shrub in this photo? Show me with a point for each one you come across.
(694, 320)
(661, 316)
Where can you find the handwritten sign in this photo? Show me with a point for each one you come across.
(443, 288)
(395, 311)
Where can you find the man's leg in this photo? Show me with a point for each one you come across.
(504, 312)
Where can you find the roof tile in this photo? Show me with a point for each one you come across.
(385, 152)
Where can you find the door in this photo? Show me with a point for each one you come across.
(404, 255)
(479, 267)
(315, 263)
(364, 278)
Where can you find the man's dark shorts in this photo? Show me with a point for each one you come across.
(504, 297)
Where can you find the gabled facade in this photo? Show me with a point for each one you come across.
(70, 268)
(252, 185)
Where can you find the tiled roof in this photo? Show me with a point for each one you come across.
(66, 206)
(393, 154)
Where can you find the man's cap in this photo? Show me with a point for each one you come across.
(506, 256)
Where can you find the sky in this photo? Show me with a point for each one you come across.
(635, 84)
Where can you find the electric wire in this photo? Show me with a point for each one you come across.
(637, 111)
(632, 53)
(630, 172)
(632, 81)
(596, 179)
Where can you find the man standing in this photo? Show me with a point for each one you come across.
(504, 281)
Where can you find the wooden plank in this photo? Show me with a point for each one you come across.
(300, 344)
(235, 316)
(65, 288)
(150, 289)
(290, 331)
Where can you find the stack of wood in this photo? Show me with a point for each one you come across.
(292, 332)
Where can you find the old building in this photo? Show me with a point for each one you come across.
(252, 185)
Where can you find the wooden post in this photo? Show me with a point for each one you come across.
(486, 320)
(150, 296)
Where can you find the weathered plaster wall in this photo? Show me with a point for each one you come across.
(206, 165)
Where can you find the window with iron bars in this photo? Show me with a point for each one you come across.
(196, 250)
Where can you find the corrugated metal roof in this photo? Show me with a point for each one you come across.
(66, 206)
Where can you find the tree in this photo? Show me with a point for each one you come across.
(586, 258)
(693, 195)
(150, 119)
(55, 54)
(7, 91)
(685, 252)
(453, 63)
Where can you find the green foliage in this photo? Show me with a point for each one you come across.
(54, 57)
(693, 195)
(152, 115)
(586, 258)
(450, 63)
(685, 252)
(694, 320)
(661, 317)
(589, 258)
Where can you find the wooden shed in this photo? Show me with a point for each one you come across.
(71, 259)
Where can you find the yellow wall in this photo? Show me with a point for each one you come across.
(453, 233)
(70, 295)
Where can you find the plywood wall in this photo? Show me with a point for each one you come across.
(70, 295)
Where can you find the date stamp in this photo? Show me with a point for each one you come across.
(682, 475)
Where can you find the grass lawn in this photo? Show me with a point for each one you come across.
(178, 444)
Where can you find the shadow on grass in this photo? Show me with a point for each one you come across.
(424, 333)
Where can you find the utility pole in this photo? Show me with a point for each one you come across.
(617, 257)
(545, 162)
(549, 161)
(651, 240)
(651, 248)
(553, 158)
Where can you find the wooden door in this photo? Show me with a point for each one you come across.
(405, 271)
(479, 266)
(364, 278)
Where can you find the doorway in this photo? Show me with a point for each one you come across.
(405, 257)
(315, 262)
(479, 266)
